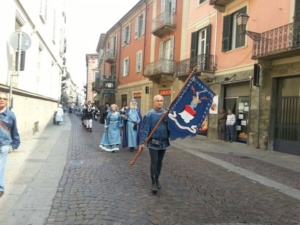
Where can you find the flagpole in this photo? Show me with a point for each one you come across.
(161, 118)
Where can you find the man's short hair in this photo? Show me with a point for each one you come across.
(154, 98)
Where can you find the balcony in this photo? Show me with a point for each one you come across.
(204, 63)
(159, 68)
(163, 24)
(110, 57)
(220, 4)
(278, 43)
(96, 86)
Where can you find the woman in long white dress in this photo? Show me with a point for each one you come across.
(59, 115)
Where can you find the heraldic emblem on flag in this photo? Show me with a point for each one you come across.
(189, 109)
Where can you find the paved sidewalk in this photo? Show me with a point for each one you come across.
(32, 176)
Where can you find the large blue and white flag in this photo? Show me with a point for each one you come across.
(189, 109)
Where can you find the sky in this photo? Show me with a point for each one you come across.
(86, 20)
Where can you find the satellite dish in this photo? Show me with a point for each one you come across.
(15, 38)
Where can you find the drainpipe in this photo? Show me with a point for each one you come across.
(215, 45)
(144, 51)
(119, 60)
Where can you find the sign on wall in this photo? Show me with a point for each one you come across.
(109, 84)
(214, 106)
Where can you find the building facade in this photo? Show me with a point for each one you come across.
(92, 73)
(253, 68)
(35, 80)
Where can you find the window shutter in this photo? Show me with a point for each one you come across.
(136, 34)
(173, 7)
(194, 44)
(141, 61)
(163, 6)
(122, 68)
(144, 24)
(172, 48)
(207, 47)
(137, 62)
(226, 42)
(127, 67)
(123, 35)
(129, 33)
(161, 50)
(208, 37)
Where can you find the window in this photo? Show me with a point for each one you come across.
(96, 76)
(166, 49)
(200, 48)
(168, 6)
(126, 35)
(54, 26)
(43, 10)
(232, 33)
(125, 69)
(113, 44)
(201, 1)
(140, 25)
(139, 60)
(113, 70)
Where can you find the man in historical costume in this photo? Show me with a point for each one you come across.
(88, 116)
(9, 136)
(159, 140)
(131, 129)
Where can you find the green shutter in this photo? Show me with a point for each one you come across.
(194, 44)
(207, 47)
(226, 41)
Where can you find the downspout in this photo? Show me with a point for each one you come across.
(119, 60)
(215, 45)
(145, 37)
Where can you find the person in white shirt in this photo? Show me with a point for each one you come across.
(230, 123)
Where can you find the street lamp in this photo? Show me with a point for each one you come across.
(242, 20)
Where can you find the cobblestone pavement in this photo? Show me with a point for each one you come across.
(282, 175)
(99, 188)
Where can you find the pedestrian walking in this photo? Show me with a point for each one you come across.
(230, 123)
(222, 125)
(59, 115)
(111, 138)
(88, 116)
(159, 140)
(9, 136)
(132, 121)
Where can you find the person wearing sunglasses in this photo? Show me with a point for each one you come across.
(9, 136)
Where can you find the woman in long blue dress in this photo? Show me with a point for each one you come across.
(111, 138)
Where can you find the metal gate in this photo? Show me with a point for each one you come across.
(287, 126)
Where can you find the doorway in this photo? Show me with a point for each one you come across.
(287, 119)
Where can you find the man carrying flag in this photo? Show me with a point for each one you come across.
(159, 140)
(183, 118)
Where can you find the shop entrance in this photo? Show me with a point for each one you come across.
(237, 99)
(287, 122)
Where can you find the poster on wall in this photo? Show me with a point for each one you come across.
(214, 106)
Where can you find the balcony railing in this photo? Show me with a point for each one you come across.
(97, 85)
(163, 24)
(163, 66)
(203, 62)
(279, 42)
(220, 4)
(110, 57)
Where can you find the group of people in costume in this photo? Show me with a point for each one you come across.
(136, 131)
(127, 122)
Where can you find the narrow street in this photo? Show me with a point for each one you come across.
(63, 178)
(98, 187)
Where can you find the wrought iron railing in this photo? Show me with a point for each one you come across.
(166, 18)
(278, 40)
(203, 62)
(163, 66)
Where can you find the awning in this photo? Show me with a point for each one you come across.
(96, 97)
